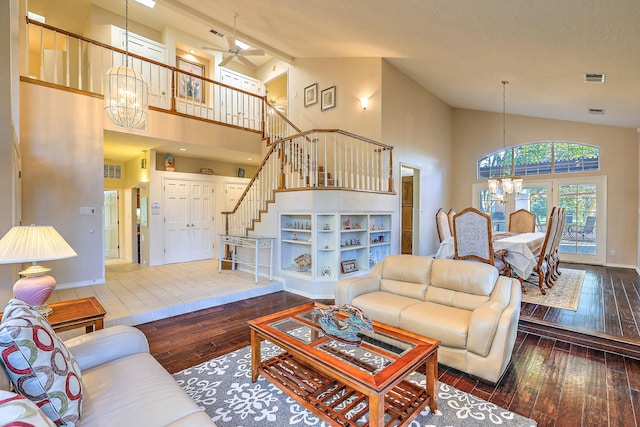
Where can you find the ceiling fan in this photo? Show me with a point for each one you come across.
(234, 50)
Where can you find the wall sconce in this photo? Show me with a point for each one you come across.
(364, 102)
(143, 164)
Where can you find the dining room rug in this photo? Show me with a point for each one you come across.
(564, 294)
(223, 387)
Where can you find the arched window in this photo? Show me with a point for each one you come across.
(539, 158)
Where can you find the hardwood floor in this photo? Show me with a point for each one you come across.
(550, 379)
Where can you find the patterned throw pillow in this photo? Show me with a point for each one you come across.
(17, 410)
(39, 365)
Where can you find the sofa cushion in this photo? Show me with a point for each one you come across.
(38, 363)
(135, 391)
(406, 275)
(383, 306)
(450, 325)
(22, 411)
(461, 284)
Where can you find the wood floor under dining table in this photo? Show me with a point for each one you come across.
(522, 250)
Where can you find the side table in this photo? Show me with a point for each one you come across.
(85, 313)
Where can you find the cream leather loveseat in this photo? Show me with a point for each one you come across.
(123, 385)
(464, 304)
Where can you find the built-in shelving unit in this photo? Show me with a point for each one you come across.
(330, 246)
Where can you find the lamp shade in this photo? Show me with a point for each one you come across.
(33, 243)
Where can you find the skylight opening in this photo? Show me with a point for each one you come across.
(242, 45)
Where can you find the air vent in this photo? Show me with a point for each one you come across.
(112, 171)
(596, 111)
(217, 33)
(594, 77)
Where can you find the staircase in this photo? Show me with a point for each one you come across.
(319, 159)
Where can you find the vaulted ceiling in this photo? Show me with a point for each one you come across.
(459, 50)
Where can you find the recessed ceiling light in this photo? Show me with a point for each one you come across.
(249, 158)
(149, 3)
(192, 51)
(182, 149)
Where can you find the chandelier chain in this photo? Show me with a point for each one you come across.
(126, 33)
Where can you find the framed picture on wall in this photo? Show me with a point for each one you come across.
(189, 86)
(328, 98)
(311, 95)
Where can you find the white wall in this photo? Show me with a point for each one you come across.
(419, 127)
(62, 147)
(9, 134)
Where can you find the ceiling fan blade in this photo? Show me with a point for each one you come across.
(215, 49)
(232, 42)
(253, 52)
(225, 61)
(246, 62)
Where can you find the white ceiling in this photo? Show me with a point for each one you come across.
(460, 50)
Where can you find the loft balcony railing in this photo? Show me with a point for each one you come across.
(320, 159)
(62, 58)
(316, 159)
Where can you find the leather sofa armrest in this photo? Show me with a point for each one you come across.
(486, 318)
(105, 345)
(348, 289)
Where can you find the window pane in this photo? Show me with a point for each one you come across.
(534, 199)
(495, 165)
(579, 201)
(533, 159)
(575, 157)
(491, 206)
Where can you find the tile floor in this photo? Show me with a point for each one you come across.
(134, 295)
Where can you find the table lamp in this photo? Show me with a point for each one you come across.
(32, 244)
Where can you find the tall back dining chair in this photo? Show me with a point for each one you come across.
(542, 260)
(442, 224)
(472, 239)
(554, 255)
(451, 214)
(522, 221)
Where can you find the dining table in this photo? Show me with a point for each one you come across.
(522, 250)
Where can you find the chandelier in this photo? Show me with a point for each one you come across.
(503, 188)
(126, 93)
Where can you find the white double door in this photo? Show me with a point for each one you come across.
(189, 229)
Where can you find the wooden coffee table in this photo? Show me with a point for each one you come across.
(345, 384)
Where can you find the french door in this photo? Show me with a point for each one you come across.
(584, 200)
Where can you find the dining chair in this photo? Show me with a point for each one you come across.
(542, 259)
(522, 221)
(442, 224)
(451, 214)
(554, 257)
(473, 241)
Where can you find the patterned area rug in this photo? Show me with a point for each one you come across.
(223, 387)
(564, 294)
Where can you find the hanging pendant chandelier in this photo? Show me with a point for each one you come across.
(504, 187)
(126, 93)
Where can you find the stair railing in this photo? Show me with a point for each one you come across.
(323, 159)
(276, 125)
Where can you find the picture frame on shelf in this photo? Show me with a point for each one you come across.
(328, 98)
(349, 266)
(311, 95)
(190, 87)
